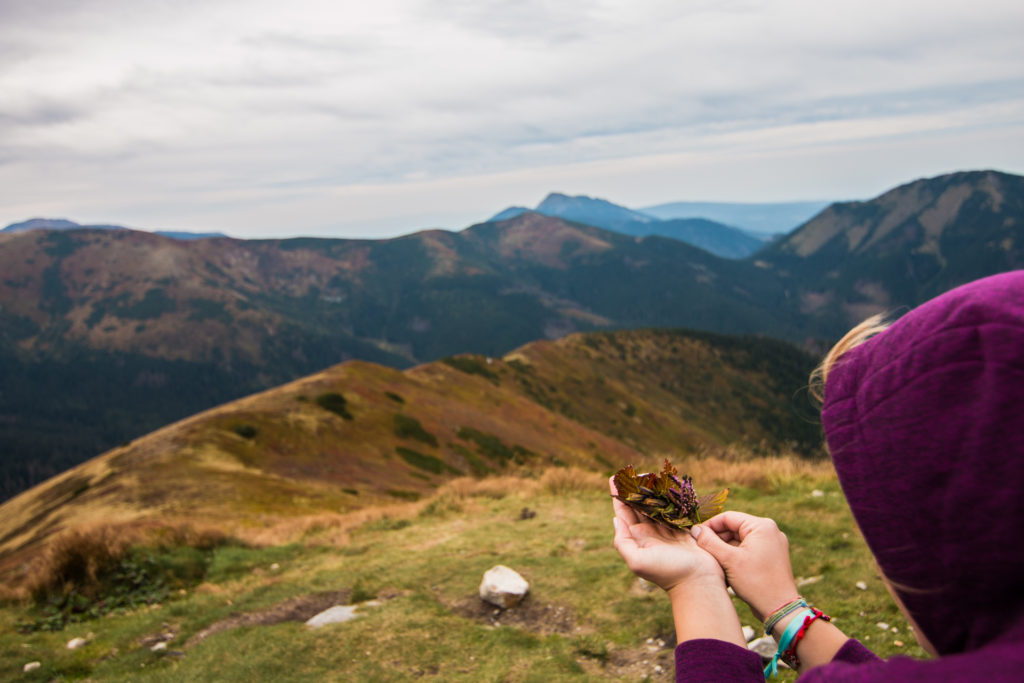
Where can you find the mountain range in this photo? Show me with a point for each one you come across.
(721, 240)
(108, 334)
(64, 224)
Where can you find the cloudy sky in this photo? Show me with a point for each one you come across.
(375, 118)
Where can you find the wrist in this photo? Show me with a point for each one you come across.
(702, 608)
(773, 600)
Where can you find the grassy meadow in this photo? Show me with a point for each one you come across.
(238, 617)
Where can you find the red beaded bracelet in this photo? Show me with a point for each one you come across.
(789, 656)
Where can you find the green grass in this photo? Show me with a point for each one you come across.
(426, 569)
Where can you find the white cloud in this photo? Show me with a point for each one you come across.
(257, 117)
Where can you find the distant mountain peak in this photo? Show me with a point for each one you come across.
(588, 209)
(42, 224)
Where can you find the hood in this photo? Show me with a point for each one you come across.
(925, 424)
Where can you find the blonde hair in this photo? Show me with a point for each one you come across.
(851, 340)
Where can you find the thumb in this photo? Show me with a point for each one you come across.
(708, 540)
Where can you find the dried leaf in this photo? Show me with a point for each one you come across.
(667, 498)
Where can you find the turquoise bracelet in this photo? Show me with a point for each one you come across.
(772, 670)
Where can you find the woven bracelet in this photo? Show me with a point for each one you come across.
(781, 613)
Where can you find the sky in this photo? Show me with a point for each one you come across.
(371, 119)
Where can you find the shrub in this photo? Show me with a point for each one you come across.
(334, 402)
(425, 462)
(487, 444)
(394, 397)
(91, 572)
(246, 431)
(476, 464)
(410, 428)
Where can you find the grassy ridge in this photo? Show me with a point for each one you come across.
(585, 617)
(362, 435)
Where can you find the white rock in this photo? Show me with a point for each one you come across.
(808, 580)
(503, 587)
(861, 585)
(76, 643)
(894, 629)
(274, 567)
(882, 625)
(817, 494)
(339, 614)
(31, 666)
(764, 646)
(749, 633)
(159, 646)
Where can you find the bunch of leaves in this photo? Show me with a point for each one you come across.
(667, 498)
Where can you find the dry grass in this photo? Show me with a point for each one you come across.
(78, 557)
(767, 474)
(569, 480)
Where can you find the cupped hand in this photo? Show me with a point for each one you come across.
(754, 553)
(663, 556)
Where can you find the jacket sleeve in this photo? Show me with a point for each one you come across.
(715, 661)
(852, 652)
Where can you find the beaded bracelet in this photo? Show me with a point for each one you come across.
(781, 613)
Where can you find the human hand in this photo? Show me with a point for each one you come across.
(755, 556)
(662, 556)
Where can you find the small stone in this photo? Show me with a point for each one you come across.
(898, 643)
(894, 629)
(749, 633)
(274, 567)
(861, 585)
(31, 666)
(158, 647)
(808, 580)
(338, 614)
(76, 643)
(658, 669)
(503, 587)
(816, 493)
(882, 625)
(764, 646)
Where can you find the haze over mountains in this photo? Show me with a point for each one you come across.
(108, 334)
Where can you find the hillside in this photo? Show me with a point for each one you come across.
(106, 335)
(235, 612)
(360, 435)
(908, 245)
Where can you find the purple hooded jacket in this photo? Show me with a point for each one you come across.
(925, 423)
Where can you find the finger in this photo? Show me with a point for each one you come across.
(624, 541)
(709, 541)
(622, 511)
(738, 523)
